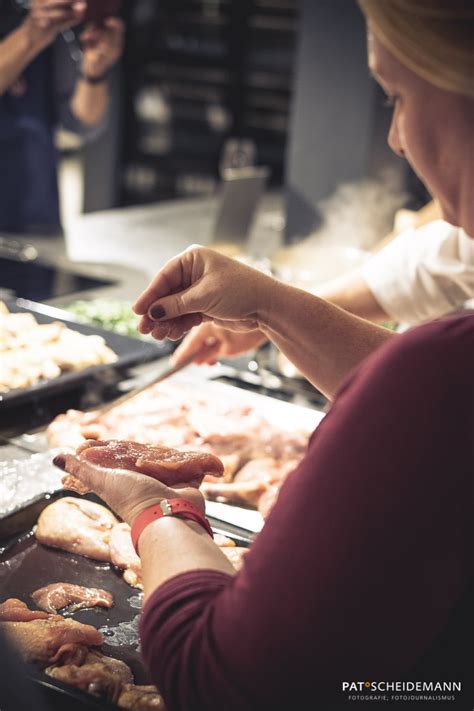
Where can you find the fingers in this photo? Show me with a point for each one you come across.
(51, 14)
(90, 475)
(165, 282)
(200, 345)
(175, 328)
(110, 33)
(174, 277)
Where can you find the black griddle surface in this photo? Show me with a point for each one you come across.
(26, 566)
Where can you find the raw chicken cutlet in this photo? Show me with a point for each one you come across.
(115, 547)
(78, 526)
(123, 555)
(67, 649)
(13, 610)
(57, 596)
(173, 415)
(47, 640)
(171, 466)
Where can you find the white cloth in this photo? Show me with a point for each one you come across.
(423, 273)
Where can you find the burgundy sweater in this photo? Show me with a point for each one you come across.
(364, 566)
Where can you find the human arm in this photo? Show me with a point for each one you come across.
(350, 292)
(129, 493)
(423, 274)
(359, 566)
(102, 48)
(322, 340)
(39, 29)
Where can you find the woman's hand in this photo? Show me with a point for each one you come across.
(102, 46)
(202, 285)
(209, 342)
(47, 18)
(127, 493)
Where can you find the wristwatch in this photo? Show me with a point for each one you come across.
(95, 80)
(182, 508)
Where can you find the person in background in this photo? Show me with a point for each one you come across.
(364, 568)
(423, 273)
(42, 86)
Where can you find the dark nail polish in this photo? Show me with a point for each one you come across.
(157, 311)
(60, 462)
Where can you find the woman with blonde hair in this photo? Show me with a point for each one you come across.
(364, 567)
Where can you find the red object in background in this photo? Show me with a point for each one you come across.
(97, 10)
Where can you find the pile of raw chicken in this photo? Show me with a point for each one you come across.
(257, 456)
(67, 649)
(236, 453)
(32, 352)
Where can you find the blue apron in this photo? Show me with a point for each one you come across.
(29, 199)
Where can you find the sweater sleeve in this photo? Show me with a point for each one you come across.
(361, 562)
(423, 274)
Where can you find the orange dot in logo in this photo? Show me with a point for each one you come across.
(368, 684)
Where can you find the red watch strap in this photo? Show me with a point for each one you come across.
(168, 507)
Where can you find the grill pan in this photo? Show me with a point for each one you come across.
(26, 565)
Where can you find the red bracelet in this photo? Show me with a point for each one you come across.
(182, 508)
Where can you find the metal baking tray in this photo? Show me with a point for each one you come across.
(285, 415)
(130, 352)
(26, 565)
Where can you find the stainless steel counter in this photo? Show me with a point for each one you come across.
(129, 245)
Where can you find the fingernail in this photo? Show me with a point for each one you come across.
(147, 328)
(210, 341)
(59, 461)
(157, 311)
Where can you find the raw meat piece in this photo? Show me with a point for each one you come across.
(95, 679)
(90, 530)
(48, 641)
(122, 554)
(13, 610)
(172, 414)
(116, 666)
(78, 526)
(56, 596)
(99, 675)
(236, 555)
(171, 466)
(266, 469)
(246, 493)
(267, 500)
(258, 470)
(222, 541)
(141, 698)
(133, 578)
(226, 423)
(66, 429)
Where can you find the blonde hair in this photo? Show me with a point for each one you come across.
(433, 38)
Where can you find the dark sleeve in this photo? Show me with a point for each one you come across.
(363, 558)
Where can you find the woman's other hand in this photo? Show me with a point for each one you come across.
(209, 342)
(102, 46)
(202, 285)
(127, 493)
(47, 18)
